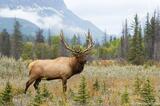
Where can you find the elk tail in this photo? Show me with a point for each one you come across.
(30, 66)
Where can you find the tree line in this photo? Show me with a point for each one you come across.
(136, 45)
(143, 43)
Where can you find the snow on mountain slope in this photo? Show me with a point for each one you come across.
(47, 14)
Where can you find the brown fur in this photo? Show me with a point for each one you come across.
(59, 68)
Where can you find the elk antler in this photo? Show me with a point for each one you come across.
(77, 52)
(90, 43)
(67, 45)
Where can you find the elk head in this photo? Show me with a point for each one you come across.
(78, 53)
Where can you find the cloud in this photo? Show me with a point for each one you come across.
(31, 16)
(110, 14)
(46, 22)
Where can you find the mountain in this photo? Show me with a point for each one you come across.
(47, 14)
(27, 28)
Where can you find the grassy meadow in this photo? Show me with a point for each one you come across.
(107, 84)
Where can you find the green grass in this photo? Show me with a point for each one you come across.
(113, 77)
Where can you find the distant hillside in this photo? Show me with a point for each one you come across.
(47, 14)
(27, 27)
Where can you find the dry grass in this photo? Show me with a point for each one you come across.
(115, 77)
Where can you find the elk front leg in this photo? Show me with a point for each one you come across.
(64, 84)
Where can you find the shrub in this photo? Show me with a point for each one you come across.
(41, 96)
(137, 86)
(6, 96)
(147, 94)
(96, 85)
(82, 96)
(125, 98)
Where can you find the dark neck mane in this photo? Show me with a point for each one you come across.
(77, 67)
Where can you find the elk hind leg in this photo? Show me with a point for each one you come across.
(29, 82)
(36, 83)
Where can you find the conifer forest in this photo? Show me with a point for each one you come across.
(121, 70)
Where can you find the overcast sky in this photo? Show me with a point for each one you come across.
(110, 14)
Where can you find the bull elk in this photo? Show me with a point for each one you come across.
(60, 68)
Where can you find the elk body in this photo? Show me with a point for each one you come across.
(59, 68)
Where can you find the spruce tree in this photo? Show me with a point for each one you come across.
(125, 98)
(96, 85)
(6, 96)
(39, 36)
(5, 43)
(153, 35)
(17, 41)
(147, 94)
(137, 86)
(135, 55)
(82, 96)
(140, 48)
(147, 39)
(38, 99)
(49, 38)
(124, 47)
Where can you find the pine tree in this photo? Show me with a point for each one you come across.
(153, 35)
(74, 40)
(140, 48)
(147, 39)
(17, 41)
(111, 38)
(105, 38)
(41, 96)
(125, 98)
(6, 96)
(49, 38)
(96, 85)
(137, 86)
(5, 43)
(38, 99)
(39, 36)
(136, 53)
(45, 92)
(156, 54)
(82, 96)
(147, 94)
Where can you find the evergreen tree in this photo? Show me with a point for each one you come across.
(137, 86)
(6, 96)
(39, 36)
(96, 85)
(38, 99)
(17, 41)
(40, 46)
(125, 98)
(56, 45)
(27, 52)
(82, 96)
(147, 94)
(140, 48)
(5, 43)
(49, 38)
(156, 54)
(105, 38)
(111, 38)
(74, 40)
(124, 43)
(147, 39)
(122, 52)
(135, 55)
(153, 35)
